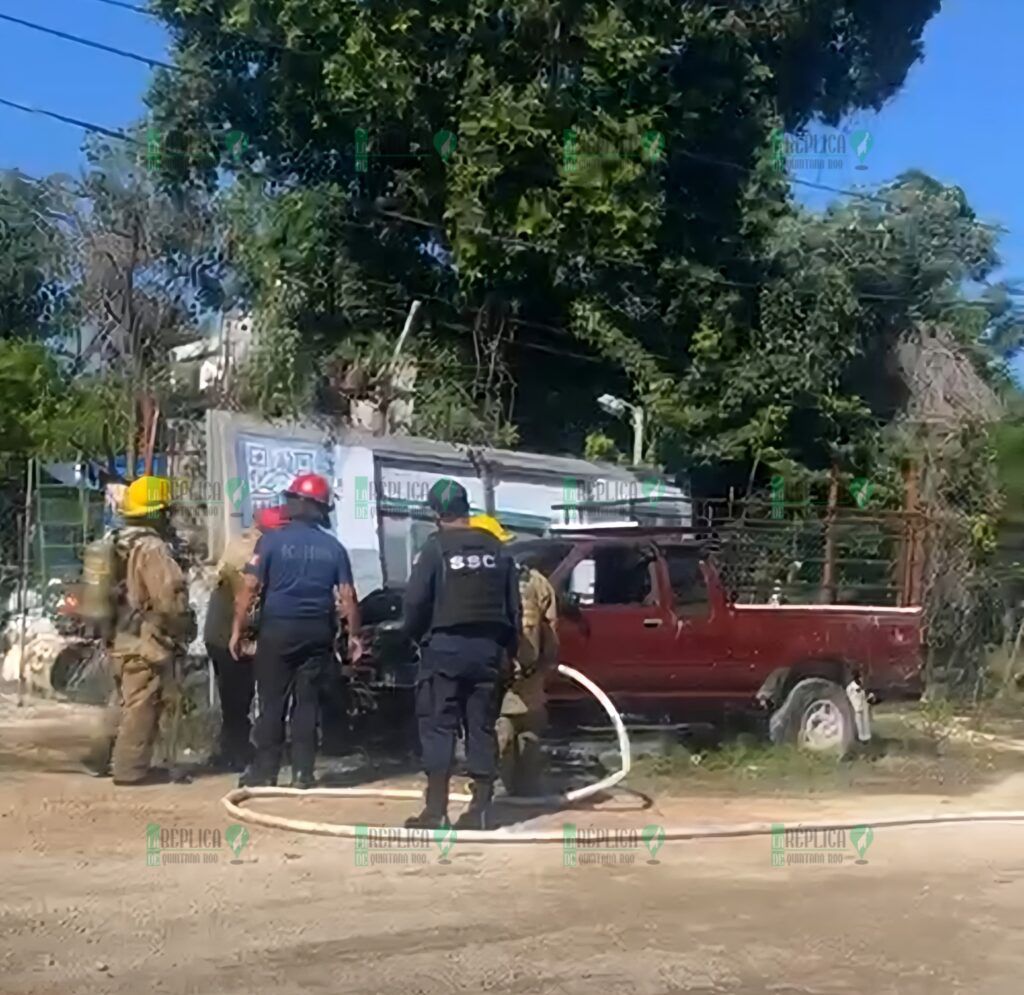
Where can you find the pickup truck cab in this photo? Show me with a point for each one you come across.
(650, 622)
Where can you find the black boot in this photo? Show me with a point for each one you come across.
(252, 779)
(435, 814)
(478, 814)
(302, 780)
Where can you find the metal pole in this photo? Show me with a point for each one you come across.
(407, 328)
(26, 529)
(638, 434)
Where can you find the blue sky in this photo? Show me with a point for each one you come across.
(959, 116)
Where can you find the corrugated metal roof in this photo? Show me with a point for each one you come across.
(409, 446)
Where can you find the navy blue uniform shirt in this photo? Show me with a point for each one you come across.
(298, 566)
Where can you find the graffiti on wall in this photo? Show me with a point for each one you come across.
(269, 464)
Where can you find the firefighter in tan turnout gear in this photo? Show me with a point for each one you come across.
(138, 594)
(523, 714)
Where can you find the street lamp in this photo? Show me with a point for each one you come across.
(618, 407)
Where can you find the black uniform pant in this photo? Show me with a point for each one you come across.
(235, 686)
(293, 655)
(460, 686)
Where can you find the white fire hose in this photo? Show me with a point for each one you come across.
(233, 800)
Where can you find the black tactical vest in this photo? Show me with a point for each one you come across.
(474, 581)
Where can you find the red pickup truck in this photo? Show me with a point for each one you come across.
(649, 621)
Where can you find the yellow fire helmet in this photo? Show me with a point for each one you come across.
(492, 525)
(146, 496)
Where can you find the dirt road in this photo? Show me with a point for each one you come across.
(86, 909)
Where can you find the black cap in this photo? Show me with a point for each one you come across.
(448, 499)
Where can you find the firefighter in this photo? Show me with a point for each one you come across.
(523, 706)
(304, 579)
(462, 605)
(137, 592)
(235, 681)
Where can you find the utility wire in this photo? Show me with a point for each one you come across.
(157, 63)
(109, 49)
(84, 125)
(129, 6)
(621, 260)
(535, 246)
(262, 42)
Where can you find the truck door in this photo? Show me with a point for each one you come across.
(618, 630)
(701, 653)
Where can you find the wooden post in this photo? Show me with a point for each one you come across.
(828, 573)
(24, 576)
(915, 539)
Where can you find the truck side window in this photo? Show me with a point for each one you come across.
(687, 580)
(622, 576)
(542, 555)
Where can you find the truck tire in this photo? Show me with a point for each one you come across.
(816, 716)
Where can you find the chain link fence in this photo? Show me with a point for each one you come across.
(13, 479)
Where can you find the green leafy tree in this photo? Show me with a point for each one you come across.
(841, 343)
(36, 278)
(585, 271)
(145, 257)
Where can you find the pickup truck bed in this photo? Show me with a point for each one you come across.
(652, 625)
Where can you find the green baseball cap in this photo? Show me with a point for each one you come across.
(448, 498)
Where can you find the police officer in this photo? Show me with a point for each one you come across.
(523, 714)
(304, 578)
(151, 623)
(235, 680)
(462, 604)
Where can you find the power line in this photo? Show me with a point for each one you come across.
(109, 49)
(262, 42)
(694, 156)
(716, 280)
(128, 6)
(84, 125)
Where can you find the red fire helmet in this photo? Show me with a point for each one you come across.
(270, 518)
(311, 486)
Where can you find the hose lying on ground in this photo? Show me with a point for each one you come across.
(510, 834)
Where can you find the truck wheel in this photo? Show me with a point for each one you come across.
(816, 716)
